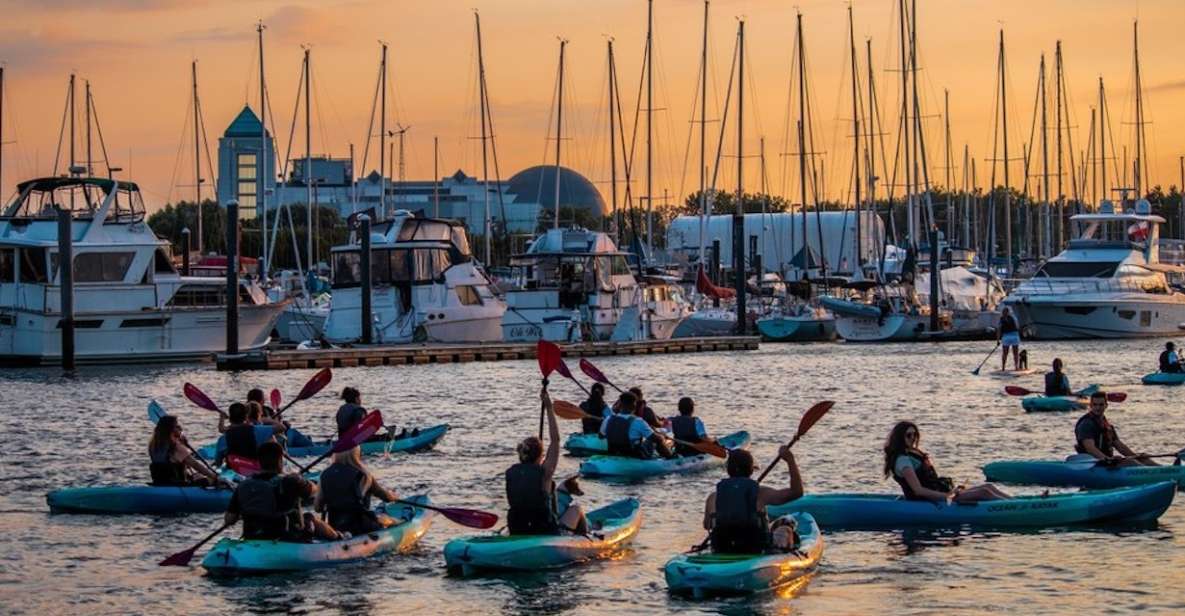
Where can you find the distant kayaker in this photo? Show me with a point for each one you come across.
(643, 410)
(1096, 437)
(688, 428)
(595, 406)
(170, 461)
(351, 412)
(734, 514)
(911, 468)
(268, 503)
(628, 435)
(1056, 382)
(293, 437)
(346, 489)
(1169, 360)
(530, 486)
(243, 438)
(256, 395)
(1008, 335)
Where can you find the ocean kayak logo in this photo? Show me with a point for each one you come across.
(1004, 506)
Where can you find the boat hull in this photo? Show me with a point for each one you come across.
(1076, 474)
(1051, 317)
(797, 329)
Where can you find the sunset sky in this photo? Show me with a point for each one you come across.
(136, 54)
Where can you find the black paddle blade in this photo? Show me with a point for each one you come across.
(180, 559)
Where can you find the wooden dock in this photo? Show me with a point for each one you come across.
(417, 354)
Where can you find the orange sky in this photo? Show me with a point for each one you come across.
(136, 54)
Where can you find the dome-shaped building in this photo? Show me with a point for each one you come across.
(537, 185)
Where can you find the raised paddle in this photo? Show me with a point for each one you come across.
(156, 412)
(355, 436)
(199, 398)
(275, 398)
(809, 418)
(182, 558)
(314, 386)
(465, 517)
(562, 368)
(1016, 390)
(550, 357)
(985, 360)
(593, 373)
(567, 410)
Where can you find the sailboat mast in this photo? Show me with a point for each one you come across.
(261, 195)
(910, 222)
(86, 103)
(966, 237)
(1007, 183)
(856, 143)
(73, 111)
(948, 166)
(1103, 140)
(197, 157)
(806, 245)
(1046, 222)
(383, 134)
(2, 128)
(649, 124)
(738, 213)
(485, 171)
(308, 162)
(1141, 166)
(559, 127)
(613, 145)
(436, 177)
(1057, 103)
(703, 141)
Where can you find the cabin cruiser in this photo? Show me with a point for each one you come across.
(1108, 283)
(130, 302)
(893, 315)
(573, 284)
(427, 286)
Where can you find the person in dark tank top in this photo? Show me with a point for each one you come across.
(346, 489)
(530, 486)
(734, 514)
(911, 468)
(171, 463)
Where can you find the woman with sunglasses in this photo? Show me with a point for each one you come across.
(910, 467)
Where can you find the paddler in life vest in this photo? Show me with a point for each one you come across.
(643, 410)
(171, 463)
(243, 437)
(268, 503)
(910, 467)
(346, 489)
(1056, 382)
(1096, 437)
(530, 486)
(1169, 360)
(735, 514)
(628, 435)
(596, 407)
(688, 428)
(292, 436)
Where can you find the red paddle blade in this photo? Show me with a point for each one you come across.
(812, 416)
(180, 559)
(1013, 390)
(275, 399)
(549, 357)
(315, 384)
(592, 372)
(1116, 396)
(199, 397)
(469, 517)
(566, 410)
(360, 432)
(243, 466)
(562, 368)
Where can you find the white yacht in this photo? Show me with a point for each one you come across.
(574, 284)
(426, 286)
(1108, 283)
(308, 307)
(130, 303)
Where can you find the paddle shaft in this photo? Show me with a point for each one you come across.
(775, 462)
(182, 558)
(542, 410)
(985, 360)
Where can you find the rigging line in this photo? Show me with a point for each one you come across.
(292, 130)
(724, 123)
(206, 142)
(180, 148)
(374, 101)
(99, 132)
(62, 131)
(551, 111)
(695, 96)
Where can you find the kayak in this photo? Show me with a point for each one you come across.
(1080, 474)
(1164, 378)
(579, 444)
(711, 574)
(890, 512)
(636, 468)
(412, 442)
(254, 556)
(148, 499)
(613, 526)
(1041, 403)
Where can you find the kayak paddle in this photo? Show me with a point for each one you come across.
(199, 398)
(985, 360)
(593, 373)
(549, 356)
(182, 558)
(1015, 390)
(567, 410)
(809, 418)
(156, 412)
(562, 368)
(275, 399)
(465, 517)
(314, 385)
(355, 436)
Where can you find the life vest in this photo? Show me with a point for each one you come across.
(240, 441)
(596, 408)
(1165, 365)
(1105, 436)
(738, 528)
(347, 506)
(617, 435)
(164, 471)
(1057, 384)
(260, 500)
(926, 475)
(348, 415)
(683, 429)
(532, 504)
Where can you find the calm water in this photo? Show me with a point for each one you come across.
(93, 429)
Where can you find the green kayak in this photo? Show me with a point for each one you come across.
(636, 468)
(702, 575)
(1038, 403)
(253, 556)
(614, 526)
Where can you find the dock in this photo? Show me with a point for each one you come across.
(418, 354)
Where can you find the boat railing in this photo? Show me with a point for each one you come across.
(1048, 286)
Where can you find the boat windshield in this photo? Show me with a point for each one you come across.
(1078, 269)
(82, 197)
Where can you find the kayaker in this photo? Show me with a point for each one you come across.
(911, 468)
(268, 503)
(530, 485)
(1008, 335)
(346, 489)
(1096, 437)
(351, 412)
(256, 395)
(687, 427)
(628, 435)
(294, 437)
(1056, 382)
(170, 461)
(643, 410)
(1169, 360)
(734, 514)
(242, 438)
(595, 406)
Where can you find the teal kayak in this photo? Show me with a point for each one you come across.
(414, 441)
(710, 574)
(613, 526)
(1040, 403)
(1141, 504)
(579, 444)
(636, 468)
(1164, 378)
(1080, 474)
(144, 499)
(253, 556)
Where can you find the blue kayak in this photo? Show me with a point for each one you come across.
(1141, 504)
(580, 444)
(1041, 403)
(1164, 378)
(637, 468)
(414, 441)
(1080, 474)
(138, 499)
